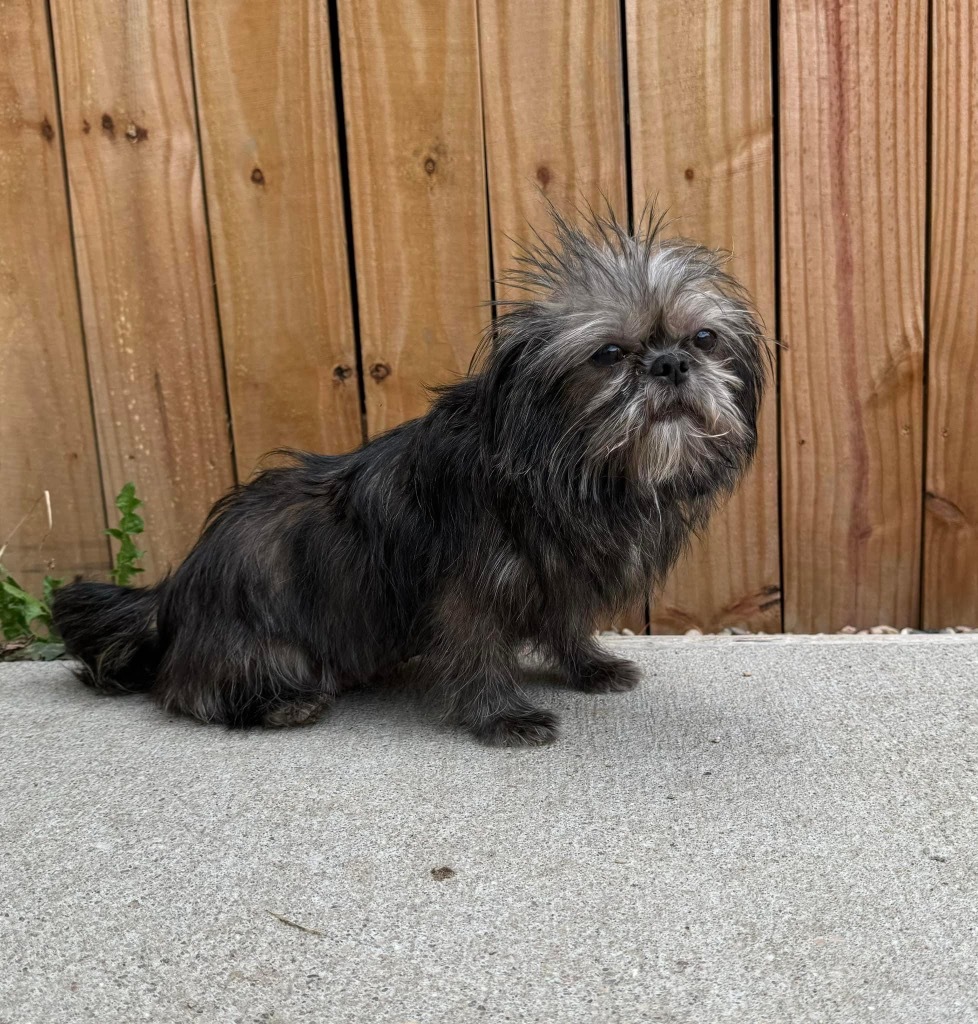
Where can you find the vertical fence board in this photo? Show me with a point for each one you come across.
(47, 439)
(552, 82)
(554, 122)
(853, 94)
(951, 502)
(274, 196)
(414, 130)
(143, 260)
(701, 130)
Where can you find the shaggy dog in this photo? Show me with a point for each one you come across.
(612, 407)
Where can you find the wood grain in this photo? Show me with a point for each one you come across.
(47, 437)
(853, 93)
(552, 81)
(143, 261)
(950, 585)
(701, 116)
(274, 195)
(414, 130)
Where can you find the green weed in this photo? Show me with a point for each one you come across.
(129, 524)
(25, 620)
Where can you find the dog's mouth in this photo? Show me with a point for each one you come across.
(683, 410)
(675, 410)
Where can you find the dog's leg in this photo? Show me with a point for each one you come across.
(477, 676)
(485, 698)
(265, 682)
(310, 695)
(589, 667)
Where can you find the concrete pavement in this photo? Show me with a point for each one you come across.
(768, 830)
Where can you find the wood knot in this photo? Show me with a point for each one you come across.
(380, 371)
(342, 373)
(86, 127)
(108, 125)
(945, 509)
(689, 173)
(430, 165)
(257, 177)
(46, 130)
(134, 133)
(543, 175)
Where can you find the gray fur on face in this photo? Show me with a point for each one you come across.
(647, 294)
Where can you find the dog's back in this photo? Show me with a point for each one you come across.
(255, 626)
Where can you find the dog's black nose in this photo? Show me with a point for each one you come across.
(671, 365)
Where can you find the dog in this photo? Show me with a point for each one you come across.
(609, 409)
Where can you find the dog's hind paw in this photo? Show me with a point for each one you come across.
(300, 712)
(517, 729)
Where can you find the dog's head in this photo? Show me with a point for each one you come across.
(634, 353)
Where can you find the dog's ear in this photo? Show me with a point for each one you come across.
(507, 387)
(501, 366)
(506, 346)
(753, 365)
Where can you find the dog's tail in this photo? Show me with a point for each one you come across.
(112, 631)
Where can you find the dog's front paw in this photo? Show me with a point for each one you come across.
(517, 729)
(613, 676)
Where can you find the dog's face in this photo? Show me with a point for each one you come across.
(646, 350)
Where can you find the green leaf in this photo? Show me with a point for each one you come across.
(30, 608)
(36, 650)
(130, 523)
(19, 609)
(126, 500)
(12, 621)
(49, 586)
(47, 650)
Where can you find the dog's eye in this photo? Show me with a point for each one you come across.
(705, 339)
(608, 355)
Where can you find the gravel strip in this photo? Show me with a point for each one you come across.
(846, 630)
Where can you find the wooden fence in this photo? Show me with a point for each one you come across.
(229, 225)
